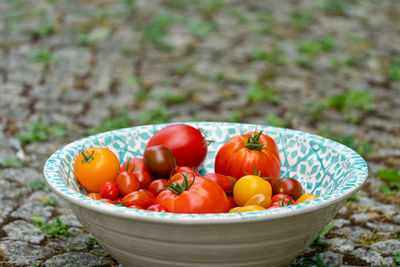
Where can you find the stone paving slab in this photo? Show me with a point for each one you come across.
(73, 68)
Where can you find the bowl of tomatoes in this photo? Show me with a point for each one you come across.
(205, 193)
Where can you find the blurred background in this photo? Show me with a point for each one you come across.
(69, 69)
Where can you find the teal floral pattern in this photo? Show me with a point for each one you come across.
(324, 167)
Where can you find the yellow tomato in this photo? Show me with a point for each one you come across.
(247, 208)
(94, 166)
(249, 186)
(259, 200)
(306, 197)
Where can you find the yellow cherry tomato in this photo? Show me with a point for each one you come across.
(249, 186)
(247, 208)
(259, 200)
(306, 197)
(94, 166)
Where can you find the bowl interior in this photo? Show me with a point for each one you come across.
(323, 167)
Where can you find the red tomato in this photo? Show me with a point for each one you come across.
(134, 164)
(157, 207)
(224, 181)
(96, 196)
(109, 190)
(157, 186)
(282, 200)
(185, 169)
(288, 186)
(141, 197)
(194, 195)
(186, 143)
(106, 200)
(144, 178)
(232, 202)
(127, 182)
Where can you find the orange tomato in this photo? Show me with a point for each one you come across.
(306, 197)
(259, 200)
(94, 166)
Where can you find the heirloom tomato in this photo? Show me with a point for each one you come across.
(94, 166)
(193, 195)
(248, 186)
(289, 186)
(186, 143)
(159, 160)
(251, 153)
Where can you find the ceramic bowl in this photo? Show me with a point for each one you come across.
(262, 238)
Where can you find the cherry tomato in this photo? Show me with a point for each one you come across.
(232, 202)
(283, 200)
(159, 160)
(157, 186)
(136, 164)
(185, 169)
(249, 186)
(157, 207)
(106, 200)
(142, 197)
(224, 181)
(251, 153)
(306, 197)
(186, 143)
(194, 195)
(289, 186)
(144, 178)
(127, 182)
(109, 190)
(259, 200)
(247, 208)
(94, 166)
(96, 196)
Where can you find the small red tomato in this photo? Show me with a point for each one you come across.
(133, 206)
(283, 200)
(232, 202)
(96, 196)
(106, 200)
(185, 169)
(159, 160)
(109, 190)
(142, 197)
(134, 164)
(144, 178)
(288, 186)
(157, 186)
(157, 207)
(127, 182)
(224, 181)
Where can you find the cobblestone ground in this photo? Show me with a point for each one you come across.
(72, 68)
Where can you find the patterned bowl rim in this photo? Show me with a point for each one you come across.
(358, 176)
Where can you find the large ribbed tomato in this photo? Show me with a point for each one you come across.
(251, 153)
(195, 194)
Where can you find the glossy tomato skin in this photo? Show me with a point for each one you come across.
(186, 143)
(127, 182)
(259, 200)
(247, 208)
(204, 196)
(96, 196)
(289, 186)
(142, 197)
(248, 186)
(133, 206)
(157, 186)
(106, 200)
(282, 200)
(235, 159)
(159, 161)
(224, 181)
(306, 197)
(184, 169)
(94, 166)
(144, 178)
(133, 165)
(109, 190)
(158, 208)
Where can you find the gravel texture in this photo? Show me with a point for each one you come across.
(73, 68)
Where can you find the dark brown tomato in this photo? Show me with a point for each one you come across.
(288, 186)
(159, 161)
